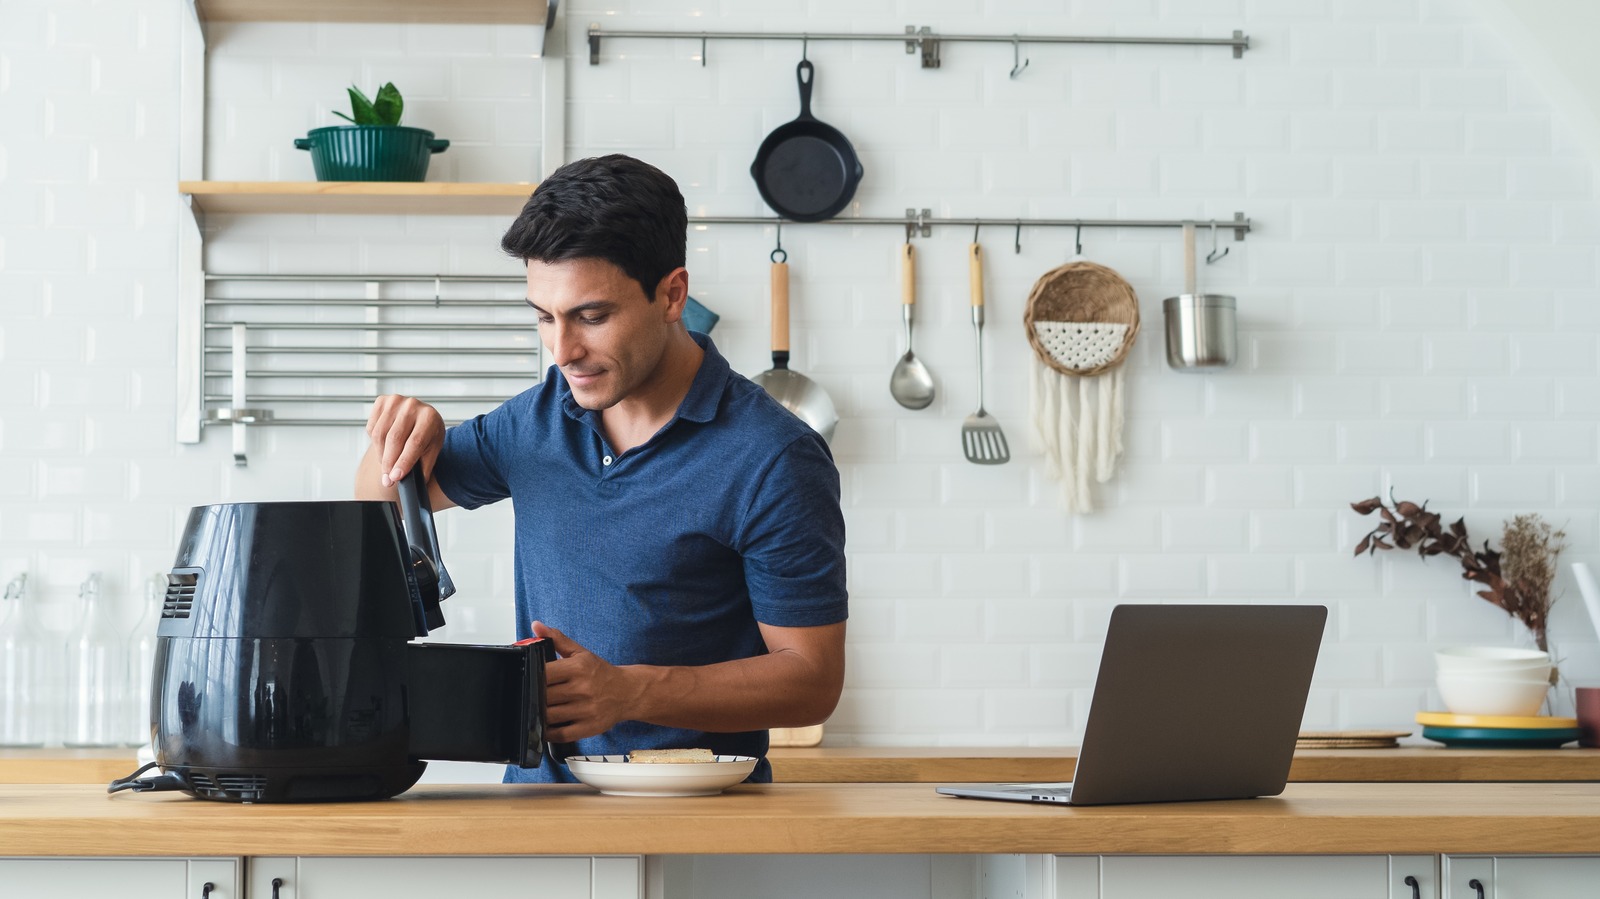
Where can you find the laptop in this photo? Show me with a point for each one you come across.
(1192, 702)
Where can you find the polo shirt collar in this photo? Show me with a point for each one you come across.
(699, 404)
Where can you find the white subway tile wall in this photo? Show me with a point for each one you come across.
(1418, 308)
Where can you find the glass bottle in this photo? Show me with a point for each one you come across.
(142, 662)
(96, 669)
(21, 654)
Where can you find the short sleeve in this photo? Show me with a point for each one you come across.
(468, 470)
(792, 540)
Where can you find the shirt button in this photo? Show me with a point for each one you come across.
(606, 460)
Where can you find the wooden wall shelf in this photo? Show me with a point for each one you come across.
(356, 197)
(490, 12)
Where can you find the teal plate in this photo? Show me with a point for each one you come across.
(1501, 737)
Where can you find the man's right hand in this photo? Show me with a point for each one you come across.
(404, 431)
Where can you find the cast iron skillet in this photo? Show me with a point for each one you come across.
(806, 170)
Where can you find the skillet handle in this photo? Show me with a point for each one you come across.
(805, 73)
(780, 314)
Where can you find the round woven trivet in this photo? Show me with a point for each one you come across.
(1087, 293)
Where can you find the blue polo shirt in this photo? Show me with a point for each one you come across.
(669, 553)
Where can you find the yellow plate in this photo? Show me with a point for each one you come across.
(1533, 722)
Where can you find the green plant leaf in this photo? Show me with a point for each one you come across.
(365, 114)
(388, 106)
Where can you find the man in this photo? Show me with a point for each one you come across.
(678, 532)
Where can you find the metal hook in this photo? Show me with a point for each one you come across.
(1077, 240)
(1018, 240)
(975, 227)
(779, 254)
(1213, 256)
(1016, 54)
(804, 43)
(702, 53)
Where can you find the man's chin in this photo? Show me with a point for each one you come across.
(592, 399)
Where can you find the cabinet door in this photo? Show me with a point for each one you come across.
(1524, 877)
(1245, 877)
(124, 878)
(434, 877)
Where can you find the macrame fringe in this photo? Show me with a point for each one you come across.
(1078, 429)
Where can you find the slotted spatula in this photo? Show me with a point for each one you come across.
(981, 437)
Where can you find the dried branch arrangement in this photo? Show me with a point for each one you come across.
(1517, 579)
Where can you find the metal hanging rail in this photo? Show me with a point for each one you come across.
(921, 41)
(923, 222)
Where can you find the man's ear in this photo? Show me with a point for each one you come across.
(673, 294)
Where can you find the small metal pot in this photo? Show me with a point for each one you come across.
(1201, 331)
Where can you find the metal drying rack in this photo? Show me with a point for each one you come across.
(250, 363)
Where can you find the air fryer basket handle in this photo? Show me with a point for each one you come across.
(416, 514)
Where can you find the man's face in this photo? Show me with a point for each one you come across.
(600, 328)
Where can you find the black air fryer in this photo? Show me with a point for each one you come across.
(285, 669)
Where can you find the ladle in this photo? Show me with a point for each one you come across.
(911, 384)
(798, 393)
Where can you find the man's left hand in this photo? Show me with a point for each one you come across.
(584, 694)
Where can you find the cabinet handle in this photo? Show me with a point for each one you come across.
(1476, 884)
(1416, 888)
(206, 888)
(277, 884)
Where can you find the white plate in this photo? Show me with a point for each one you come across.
(616, 776)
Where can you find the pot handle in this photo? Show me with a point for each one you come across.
(436, 145)
(302, 143)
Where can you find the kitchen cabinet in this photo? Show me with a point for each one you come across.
(1234, 877)
(424, 877)
(1521, 877)
(124, 878)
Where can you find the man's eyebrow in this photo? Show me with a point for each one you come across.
(591, 306)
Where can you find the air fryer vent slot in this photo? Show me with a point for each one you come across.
(180, 594)
(240, 787)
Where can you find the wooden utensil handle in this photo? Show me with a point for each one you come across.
(780, 307)
(908, 275)
(975, 273)
(1188, 258)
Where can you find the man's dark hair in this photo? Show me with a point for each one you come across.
(615, 208)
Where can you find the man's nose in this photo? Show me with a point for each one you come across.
(562, 342)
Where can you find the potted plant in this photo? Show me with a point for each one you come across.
(374, 146)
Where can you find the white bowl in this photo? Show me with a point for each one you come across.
(614, 775)
(1478, 657)
(1448, 663)
(1485, 696)
(1531, 676)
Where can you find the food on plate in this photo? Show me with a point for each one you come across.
(671, 756)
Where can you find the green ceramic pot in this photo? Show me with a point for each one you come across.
(370, 152)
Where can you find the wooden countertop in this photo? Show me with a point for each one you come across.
(83, 820)
(1412, 764)
(1409, 764)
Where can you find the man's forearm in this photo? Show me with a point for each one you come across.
(779, 689)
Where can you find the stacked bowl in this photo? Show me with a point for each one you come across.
(1493, 680)
(1494, 695)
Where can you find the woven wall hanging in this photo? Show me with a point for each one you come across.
(1081, 320)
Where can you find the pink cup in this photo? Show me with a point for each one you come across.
(1588, 702)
